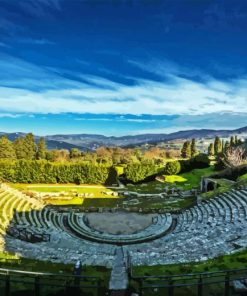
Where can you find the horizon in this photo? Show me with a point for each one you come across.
(122, 68)
(126, 135)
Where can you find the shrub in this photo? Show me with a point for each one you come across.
(172, 168)
(200, 161)
(137, 172)
(232, 173)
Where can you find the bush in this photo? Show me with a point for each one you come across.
(232, 173)
(200, 161)
(137, 172)
(172, 168)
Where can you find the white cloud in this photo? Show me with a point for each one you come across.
(10, 115)
(27, 88)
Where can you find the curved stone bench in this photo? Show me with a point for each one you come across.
(76, 224)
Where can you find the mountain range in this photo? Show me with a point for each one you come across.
(93, 141)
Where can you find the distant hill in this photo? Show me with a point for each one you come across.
(92, 141)
(51, 144)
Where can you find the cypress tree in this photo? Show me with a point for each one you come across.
(217, 146)
(236, 140)
(232, 141)
(193, 148)
(211, 149)
(41, 152)
(222, 145)
(186, 150)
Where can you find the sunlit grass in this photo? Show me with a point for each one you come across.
(193, 177)
(174, 178)
(70, 194)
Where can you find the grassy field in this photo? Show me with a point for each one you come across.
(149, 187)
(193, 177)
(185, 181)
(97, 190)
(101, 196)
(69, 192)
(143, 204)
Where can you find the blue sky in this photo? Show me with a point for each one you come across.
(118, 67)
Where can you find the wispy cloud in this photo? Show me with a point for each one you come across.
(34, 89)
(100, 95)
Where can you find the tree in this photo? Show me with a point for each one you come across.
(201, 160)
(112, 178)
(6, 148)
(222, 145)
(30, 146)
(19, 146)
(103, 155)
(172, 168)
(193, 148)
(217, 146)
(236, 140)
(57, 155)
(41, 152)
(139, 171)
(232, 141)
(186, 150)
(211, 149)
(75, 153)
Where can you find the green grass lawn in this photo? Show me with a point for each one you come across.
(149, 187)
(97, 190)
(193, 177)
(185, 181)
(144, 204)
(68, 190)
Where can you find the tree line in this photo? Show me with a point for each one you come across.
(27, 148)
(220, 146)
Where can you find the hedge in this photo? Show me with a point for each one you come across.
(42, 171)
